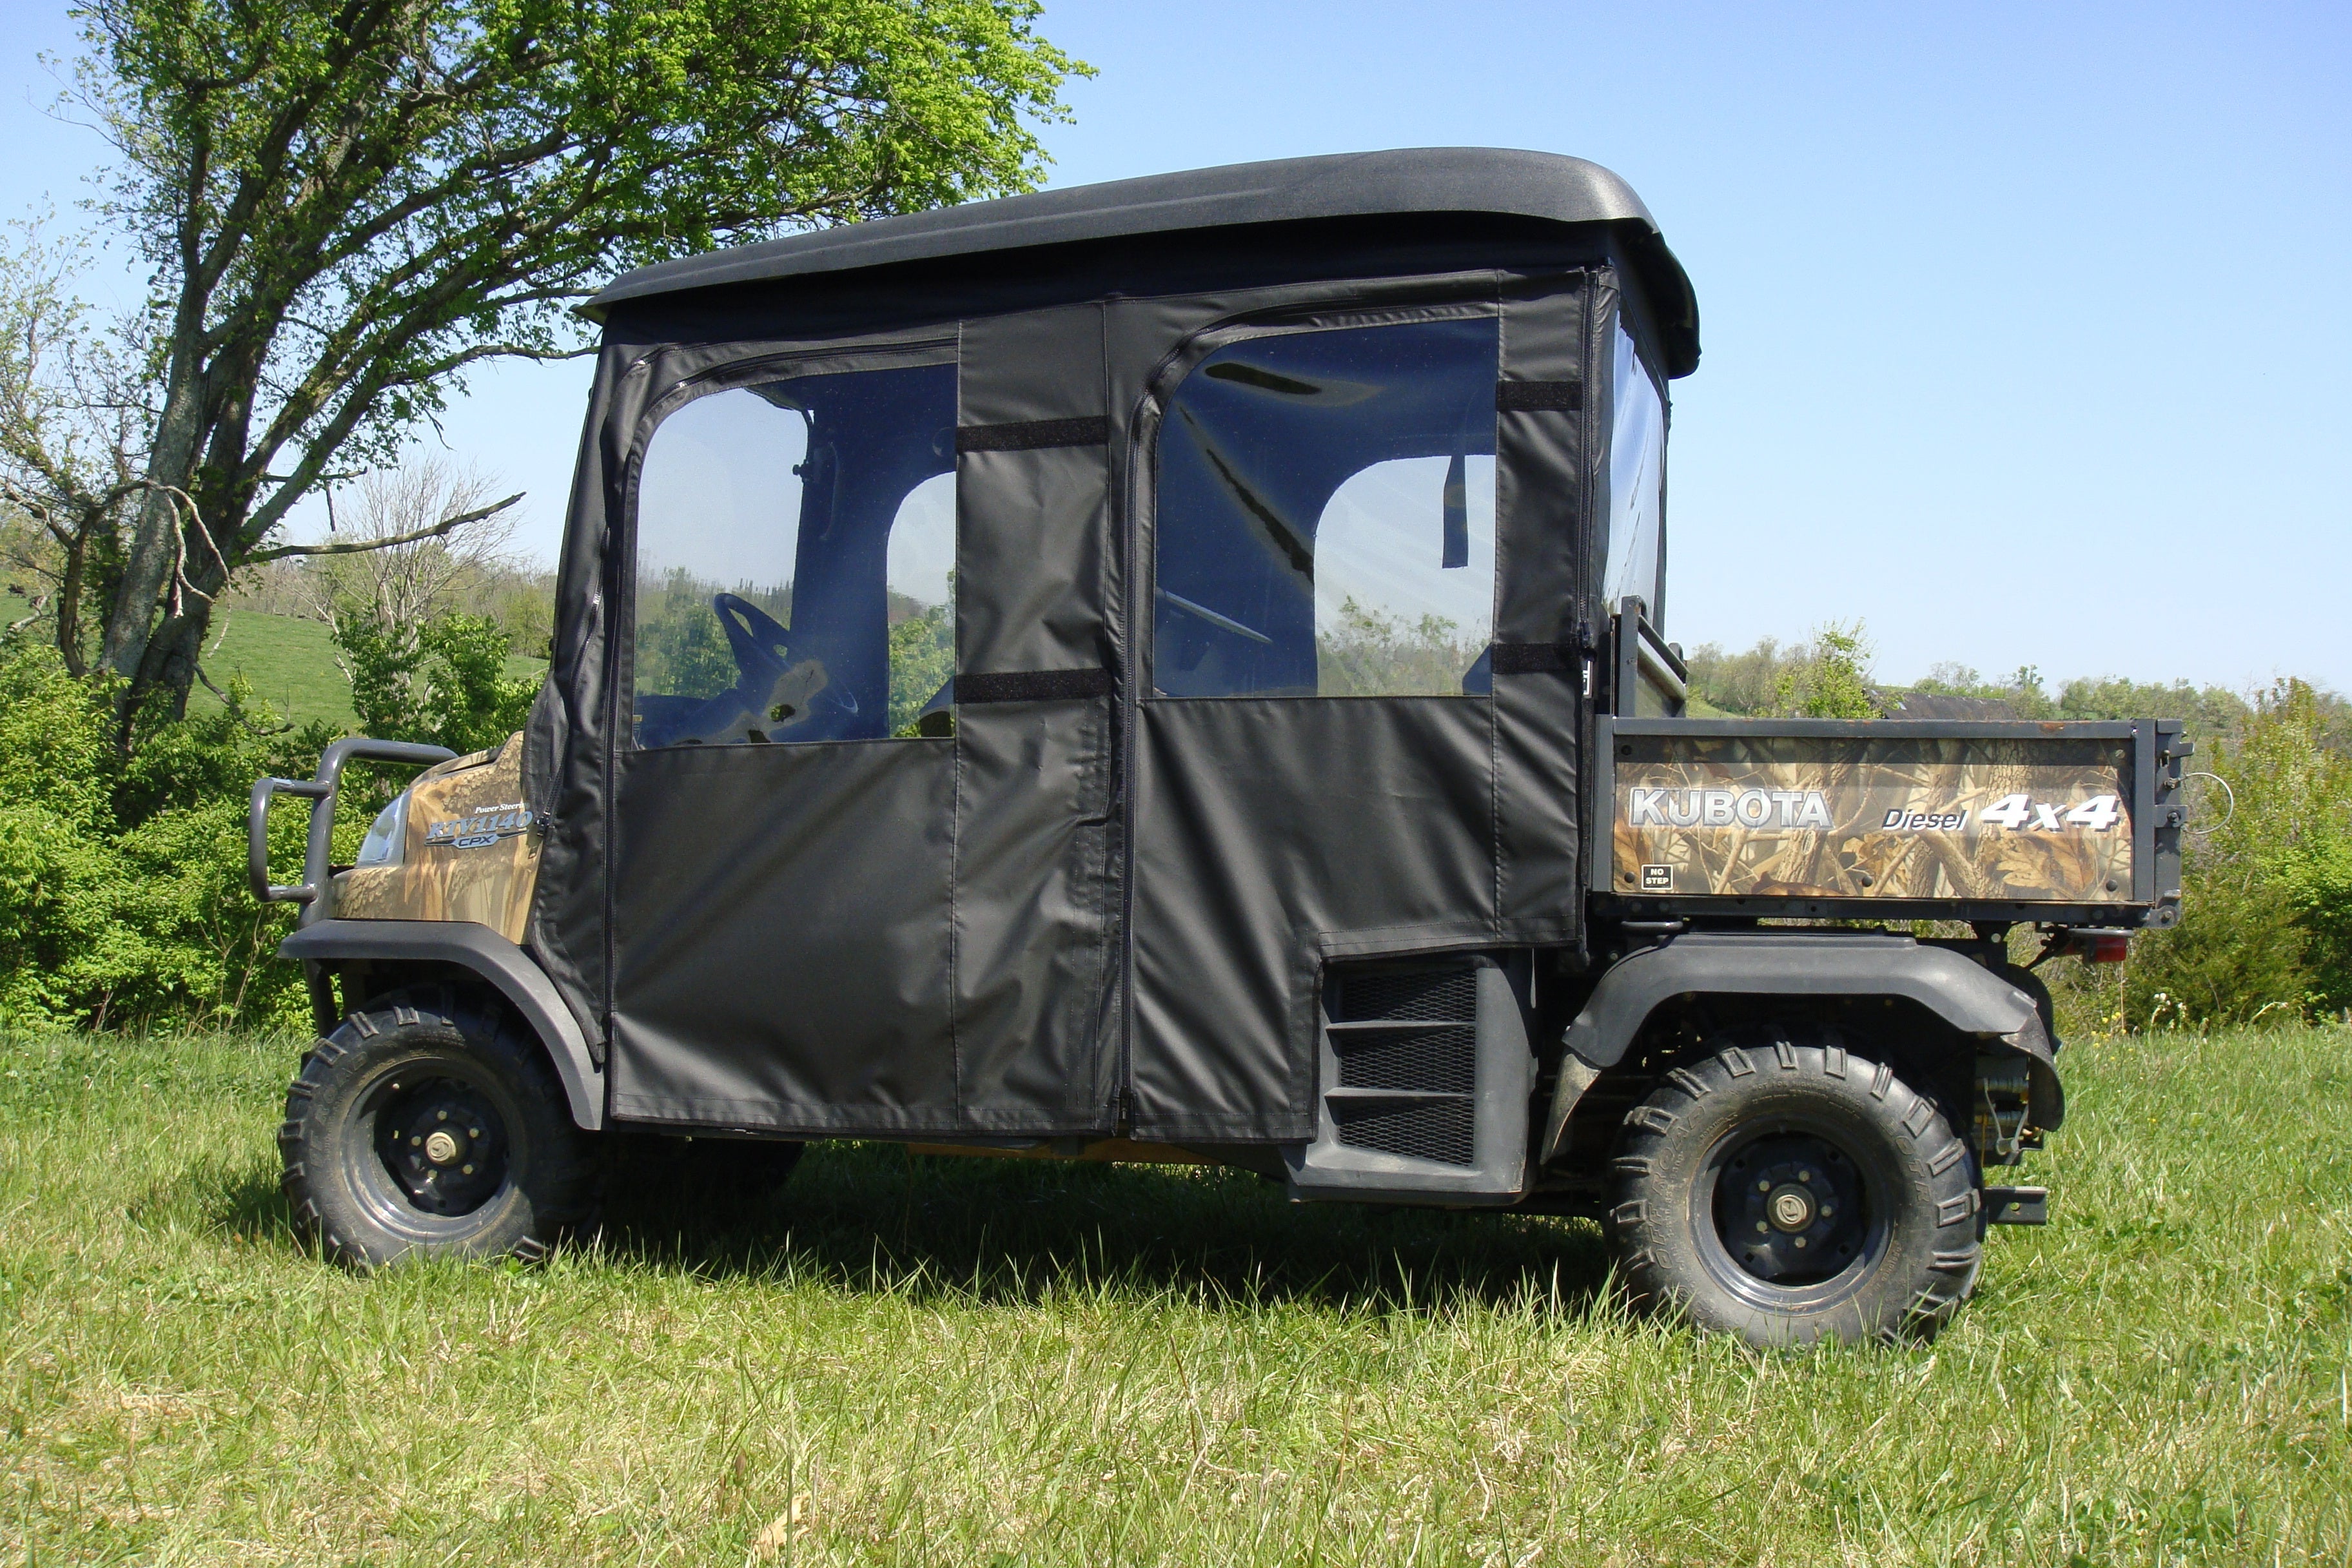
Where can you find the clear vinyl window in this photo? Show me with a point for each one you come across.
(1326, 516)
(795, 542)
(1637, 481)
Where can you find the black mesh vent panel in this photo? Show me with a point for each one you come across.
(1422, 995)
(1444, 1060)
(1441, 1130)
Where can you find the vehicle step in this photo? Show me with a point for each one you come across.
(2017, 1206)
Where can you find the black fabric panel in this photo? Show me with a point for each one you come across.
(798, 979)
(1271, 833)
(1543, 496)
(1034, 908)
(1031, 582)
(1523, 397)
(573, 738)
(1143, 335)
(1537, 659)
(1030, 573)
(1542, 488)
(1033, 435)
(569, 734)
(975, 288)
(1034, 686)
(1037, 878)
(1538, 722)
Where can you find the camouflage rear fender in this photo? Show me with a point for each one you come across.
(1795, 962)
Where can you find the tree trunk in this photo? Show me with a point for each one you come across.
(154, 543)
(169, 667)
(69, 586)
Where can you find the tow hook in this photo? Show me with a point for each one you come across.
(2017, 1206)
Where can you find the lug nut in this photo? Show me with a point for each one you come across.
(1763, 1186)
(1801, 1241)
(1762, 1226)
(1804, 1175)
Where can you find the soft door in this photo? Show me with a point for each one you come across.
(1316, 749)
(780, 821)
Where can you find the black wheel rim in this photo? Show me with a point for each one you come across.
(433, 1147)
(1790, 1216)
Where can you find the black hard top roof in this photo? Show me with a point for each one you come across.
(1426, 181)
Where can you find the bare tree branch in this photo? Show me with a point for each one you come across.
(361, 547)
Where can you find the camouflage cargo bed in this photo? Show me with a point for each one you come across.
(1974, 820)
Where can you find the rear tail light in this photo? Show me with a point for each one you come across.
(2107, 949)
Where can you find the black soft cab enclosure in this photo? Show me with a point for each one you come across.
(1141, 672)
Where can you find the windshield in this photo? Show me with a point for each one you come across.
(1637, 480)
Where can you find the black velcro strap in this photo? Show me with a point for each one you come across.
(1093, 431)
(1032, 686)
(1534, 658)
(1517, 396)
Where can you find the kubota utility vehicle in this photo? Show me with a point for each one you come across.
(1172, 671)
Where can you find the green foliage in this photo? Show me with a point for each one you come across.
(2267, 887)
(680, 648)
(344, 207)
(123, 895)
(123, 898)
(1374, 655)
(1832, 682)
(2209, 710)
(443, 682)
(1827, 678)
(1741, 683)
(923, 657)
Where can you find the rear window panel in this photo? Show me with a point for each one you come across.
(1325, 515)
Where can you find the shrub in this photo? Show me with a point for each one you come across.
(2266, 887)
(123, 895)
(443, 683)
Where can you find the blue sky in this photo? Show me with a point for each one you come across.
(2026, 329)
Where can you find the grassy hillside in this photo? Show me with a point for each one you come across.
(290, 660)
(903, 1359)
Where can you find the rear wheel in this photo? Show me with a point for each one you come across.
(1785, 1190)
(429, 1124)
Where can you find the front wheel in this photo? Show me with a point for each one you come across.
(1786, 1190)
(430, 1125)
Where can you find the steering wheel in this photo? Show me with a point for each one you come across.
(770, 668)
(763, 649)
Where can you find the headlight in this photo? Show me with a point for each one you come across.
(387, 834)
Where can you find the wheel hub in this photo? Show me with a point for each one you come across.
(443, 1144)
(1788, 1209)
(1791, 1207)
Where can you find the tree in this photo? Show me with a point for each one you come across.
(73, 415)
(1833, 680)
(412, 573)
(347, 203)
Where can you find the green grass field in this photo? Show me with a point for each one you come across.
(902, 1360)
(290, 660)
